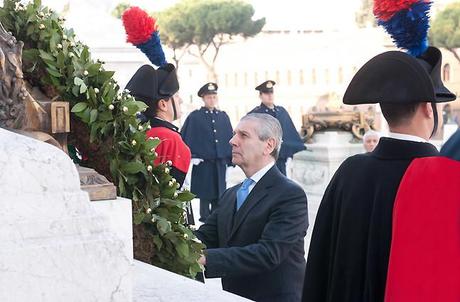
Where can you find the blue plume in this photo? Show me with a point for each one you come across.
(409, 28)
(153, 50)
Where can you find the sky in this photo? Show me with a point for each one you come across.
(286, 14)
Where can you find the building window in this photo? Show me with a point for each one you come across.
(446, 73)
(277, 77)
(326, 76)
(235, 79)
(340, 75)
(226, 80)
(301, 79)
(289, 78)
(245, 79)
(313, 76)
(266, 75)
(256, 79)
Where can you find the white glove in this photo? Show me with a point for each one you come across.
(196, 161)
(188, 179)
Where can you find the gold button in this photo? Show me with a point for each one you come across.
(217, 141)
(213, 121)
(215, 130)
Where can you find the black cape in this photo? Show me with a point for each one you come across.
(350, 245)
(451, 148)
(207, 133)
(292, 143)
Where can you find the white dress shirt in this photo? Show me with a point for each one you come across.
(407, 137)
(258, 175)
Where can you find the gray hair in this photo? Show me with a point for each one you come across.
(269, 127)
(371, 133)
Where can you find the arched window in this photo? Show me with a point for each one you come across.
(313, 76)
(289, 78)
(446, 73)
(340, 75)
(326, 76)
(277, 77)
(301, 79)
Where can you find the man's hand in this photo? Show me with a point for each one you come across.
(202, 260)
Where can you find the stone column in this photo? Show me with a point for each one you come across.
(314, 168)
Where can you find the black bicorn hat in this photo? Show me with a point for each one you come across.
(150, 85)
(266, 87)
(397, 77)
(208, 88)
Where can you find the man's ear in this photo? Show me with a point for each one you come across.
(162, 105)
(427, 109)
(270, 145)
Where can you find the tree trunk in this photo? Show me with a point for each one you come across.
(212, 74)
(210, 66)
(454, 52)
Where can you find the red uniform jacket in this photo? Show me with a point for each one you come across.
(424, 260)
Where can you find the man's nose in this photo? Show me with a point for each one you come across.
(232, 141)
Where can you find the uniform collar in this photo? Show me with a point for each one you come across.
(206, 110)
(407, 137)
(157, 122)
(390, 148)
(262, 105)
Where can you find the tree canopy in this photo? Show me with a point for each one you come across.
(201, 27)
(445, 30)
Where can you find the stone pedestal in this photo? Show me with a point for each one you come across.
(53, 245)
(153, 284)
(314, 168)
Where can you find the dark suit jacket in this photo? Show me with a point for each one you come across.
(258, 251)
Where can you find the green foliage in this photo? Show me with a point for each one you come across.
(445, 30)
(119, 9)
(200, 22)
(207, 24)
(54, 57)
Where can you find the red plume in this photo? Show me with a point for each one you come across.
(138, 24)
(385, 9)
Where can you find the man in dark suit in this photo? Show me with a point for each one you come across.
(255, 238)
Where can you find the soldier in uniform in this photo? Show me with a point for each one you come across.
(207, 132)
(158, 88)
(350, 246)
(292, 143)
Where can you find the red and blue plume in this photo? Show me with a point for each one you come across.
(407, 22)
(141, 31)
